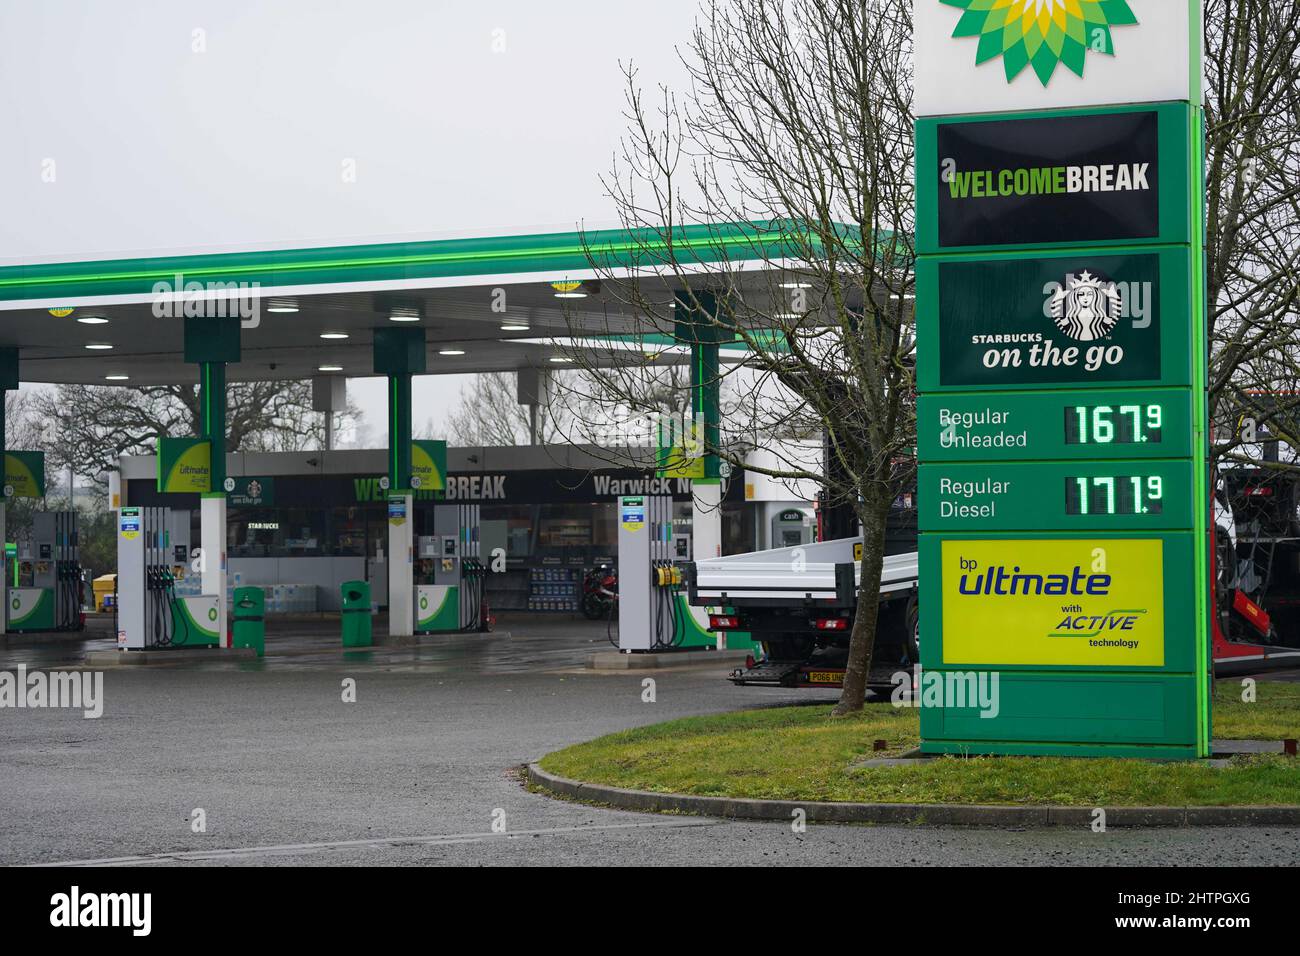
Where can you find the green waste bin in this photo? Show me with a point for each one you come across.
(356, 614)
(248, 628)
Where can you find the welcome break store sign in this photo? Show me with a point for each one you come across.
(1062, 370)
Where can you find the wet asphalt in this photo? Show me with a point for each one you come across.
(426, 760)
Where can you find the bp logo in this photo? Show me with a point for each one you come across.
(1041, 33)
(1086, 307)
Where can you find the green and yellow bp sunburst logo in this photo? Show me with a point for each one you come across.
(1041, 33)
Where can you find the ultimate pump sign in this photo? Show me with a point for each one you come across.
(1094, 603)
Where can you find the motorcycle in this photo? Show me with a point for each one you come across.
(599, 593)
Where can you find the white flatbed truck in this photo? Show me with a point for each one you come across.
(799, 602)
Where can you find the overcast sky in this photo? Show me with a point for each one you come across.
(156, 126)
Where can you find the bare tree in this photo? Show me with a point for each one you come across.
(23, 426)
(95, 424)
(1252, 141)
(791, 151)
(488, 413)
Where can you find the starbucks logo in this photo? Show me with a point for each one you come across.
(1086, 307)
(254, 489)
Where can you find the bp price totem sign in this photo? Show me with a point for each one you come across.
(1063, 488)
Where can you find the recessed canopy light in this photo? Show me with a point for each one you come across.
(93, 320)
(329, 368)
(282, 305)
(560, 358)
(787, 315)
(404, 315)
(116, 378)
(514, 328)
(451, 351)
(99, 346)
(796, 285)
(334, 335)
(570, 295)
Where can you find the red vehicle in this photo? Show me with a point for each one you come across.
(599, 593)
(1255, 570)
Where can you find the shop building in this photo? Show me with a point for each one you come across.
(305, 521)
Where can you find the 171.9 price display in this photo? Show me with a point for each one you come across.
(1113, 424)
(1115, 495)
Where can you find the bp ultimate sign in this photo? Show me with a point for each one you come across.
(1063, 485)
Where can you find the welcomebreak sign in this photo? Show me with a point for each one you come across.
(1063, 486)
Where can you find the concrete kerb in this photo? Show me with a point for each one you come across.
(927, 814)
(112, 657)
(618, 661)
(117, 658)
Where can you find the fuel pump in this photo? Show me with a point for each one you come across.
(649, 578)
(150, 565)
(450, 573)
(46, 595)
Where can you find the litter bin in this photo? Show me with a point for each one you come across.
(249, 619)
(356, 614)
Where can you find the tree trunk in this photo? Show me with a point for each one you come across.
(862, 640)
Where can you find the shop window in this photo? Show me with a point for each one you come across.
(348, 531)
(276, 532)
(252, 532)
(739, 527)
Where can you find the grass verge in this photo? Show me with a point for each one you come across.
(802, 753)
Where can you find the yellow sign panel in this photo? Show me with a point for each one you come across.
(184, 465)
(429, 465)
(1077, 602)
(678, 463)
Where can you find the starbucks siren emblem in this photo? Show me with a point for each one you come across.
(1041, 33)
(1086, 308)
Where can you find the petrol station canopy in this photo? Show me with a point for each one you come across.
(488, 303)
